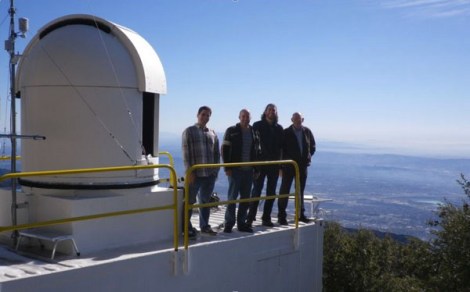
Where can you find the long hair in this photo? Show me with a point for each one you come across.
(263, 116)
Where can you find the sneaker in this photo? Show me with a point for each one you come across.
(304, 219)
(267, 223)
(228, 229)
(249, 223)
(245, 228)
(283, 221)
(208, 230)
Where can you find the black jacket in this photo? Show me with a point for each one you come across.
(270, 136)
(233, 142)
(291, 149)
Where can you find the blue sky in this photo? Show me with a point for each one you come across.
(391, 74)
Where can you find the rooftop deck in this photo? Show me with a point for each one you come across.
(271, 250)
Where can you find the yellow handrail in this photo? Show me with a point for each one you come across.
(170, 157)
(187, 206)
(3, 157)
(174, 206)
(172, 163)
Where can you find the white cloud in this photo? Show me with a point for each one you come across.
(430, 8)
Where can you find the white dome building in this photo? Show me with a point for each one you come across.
(92, 88)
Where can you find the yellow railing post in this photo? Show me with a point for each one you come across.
(172, 164)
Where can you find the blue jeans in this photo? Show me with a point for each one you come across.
(238, 183)
(202, 187)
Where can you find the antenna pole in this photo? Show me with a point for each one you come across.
(13, 59)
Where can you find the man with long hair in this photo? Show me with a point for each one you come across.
(270, 135)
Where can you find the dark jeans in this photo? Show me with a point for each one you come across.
(288, 176)
(239, 183)
(272, 175)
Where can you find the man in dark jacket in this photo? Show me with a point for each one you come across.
(239, 145)
(270, 135)
(298, 145)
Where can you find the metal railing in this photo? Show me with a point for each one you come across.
(188, 206)
(3, 157)
(173, 206)
(172, 164)
(173, 182)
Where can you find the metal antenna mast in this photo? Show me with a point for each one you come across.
(10, 47)
(14, 57)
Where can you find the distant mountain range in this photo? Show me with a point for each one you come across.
(397, 237)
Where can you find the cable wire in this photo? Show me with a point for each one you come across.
(90, 108)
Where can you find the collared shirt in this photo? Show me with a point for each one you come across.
(299, 134)
(247, 140)
(200, 146)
